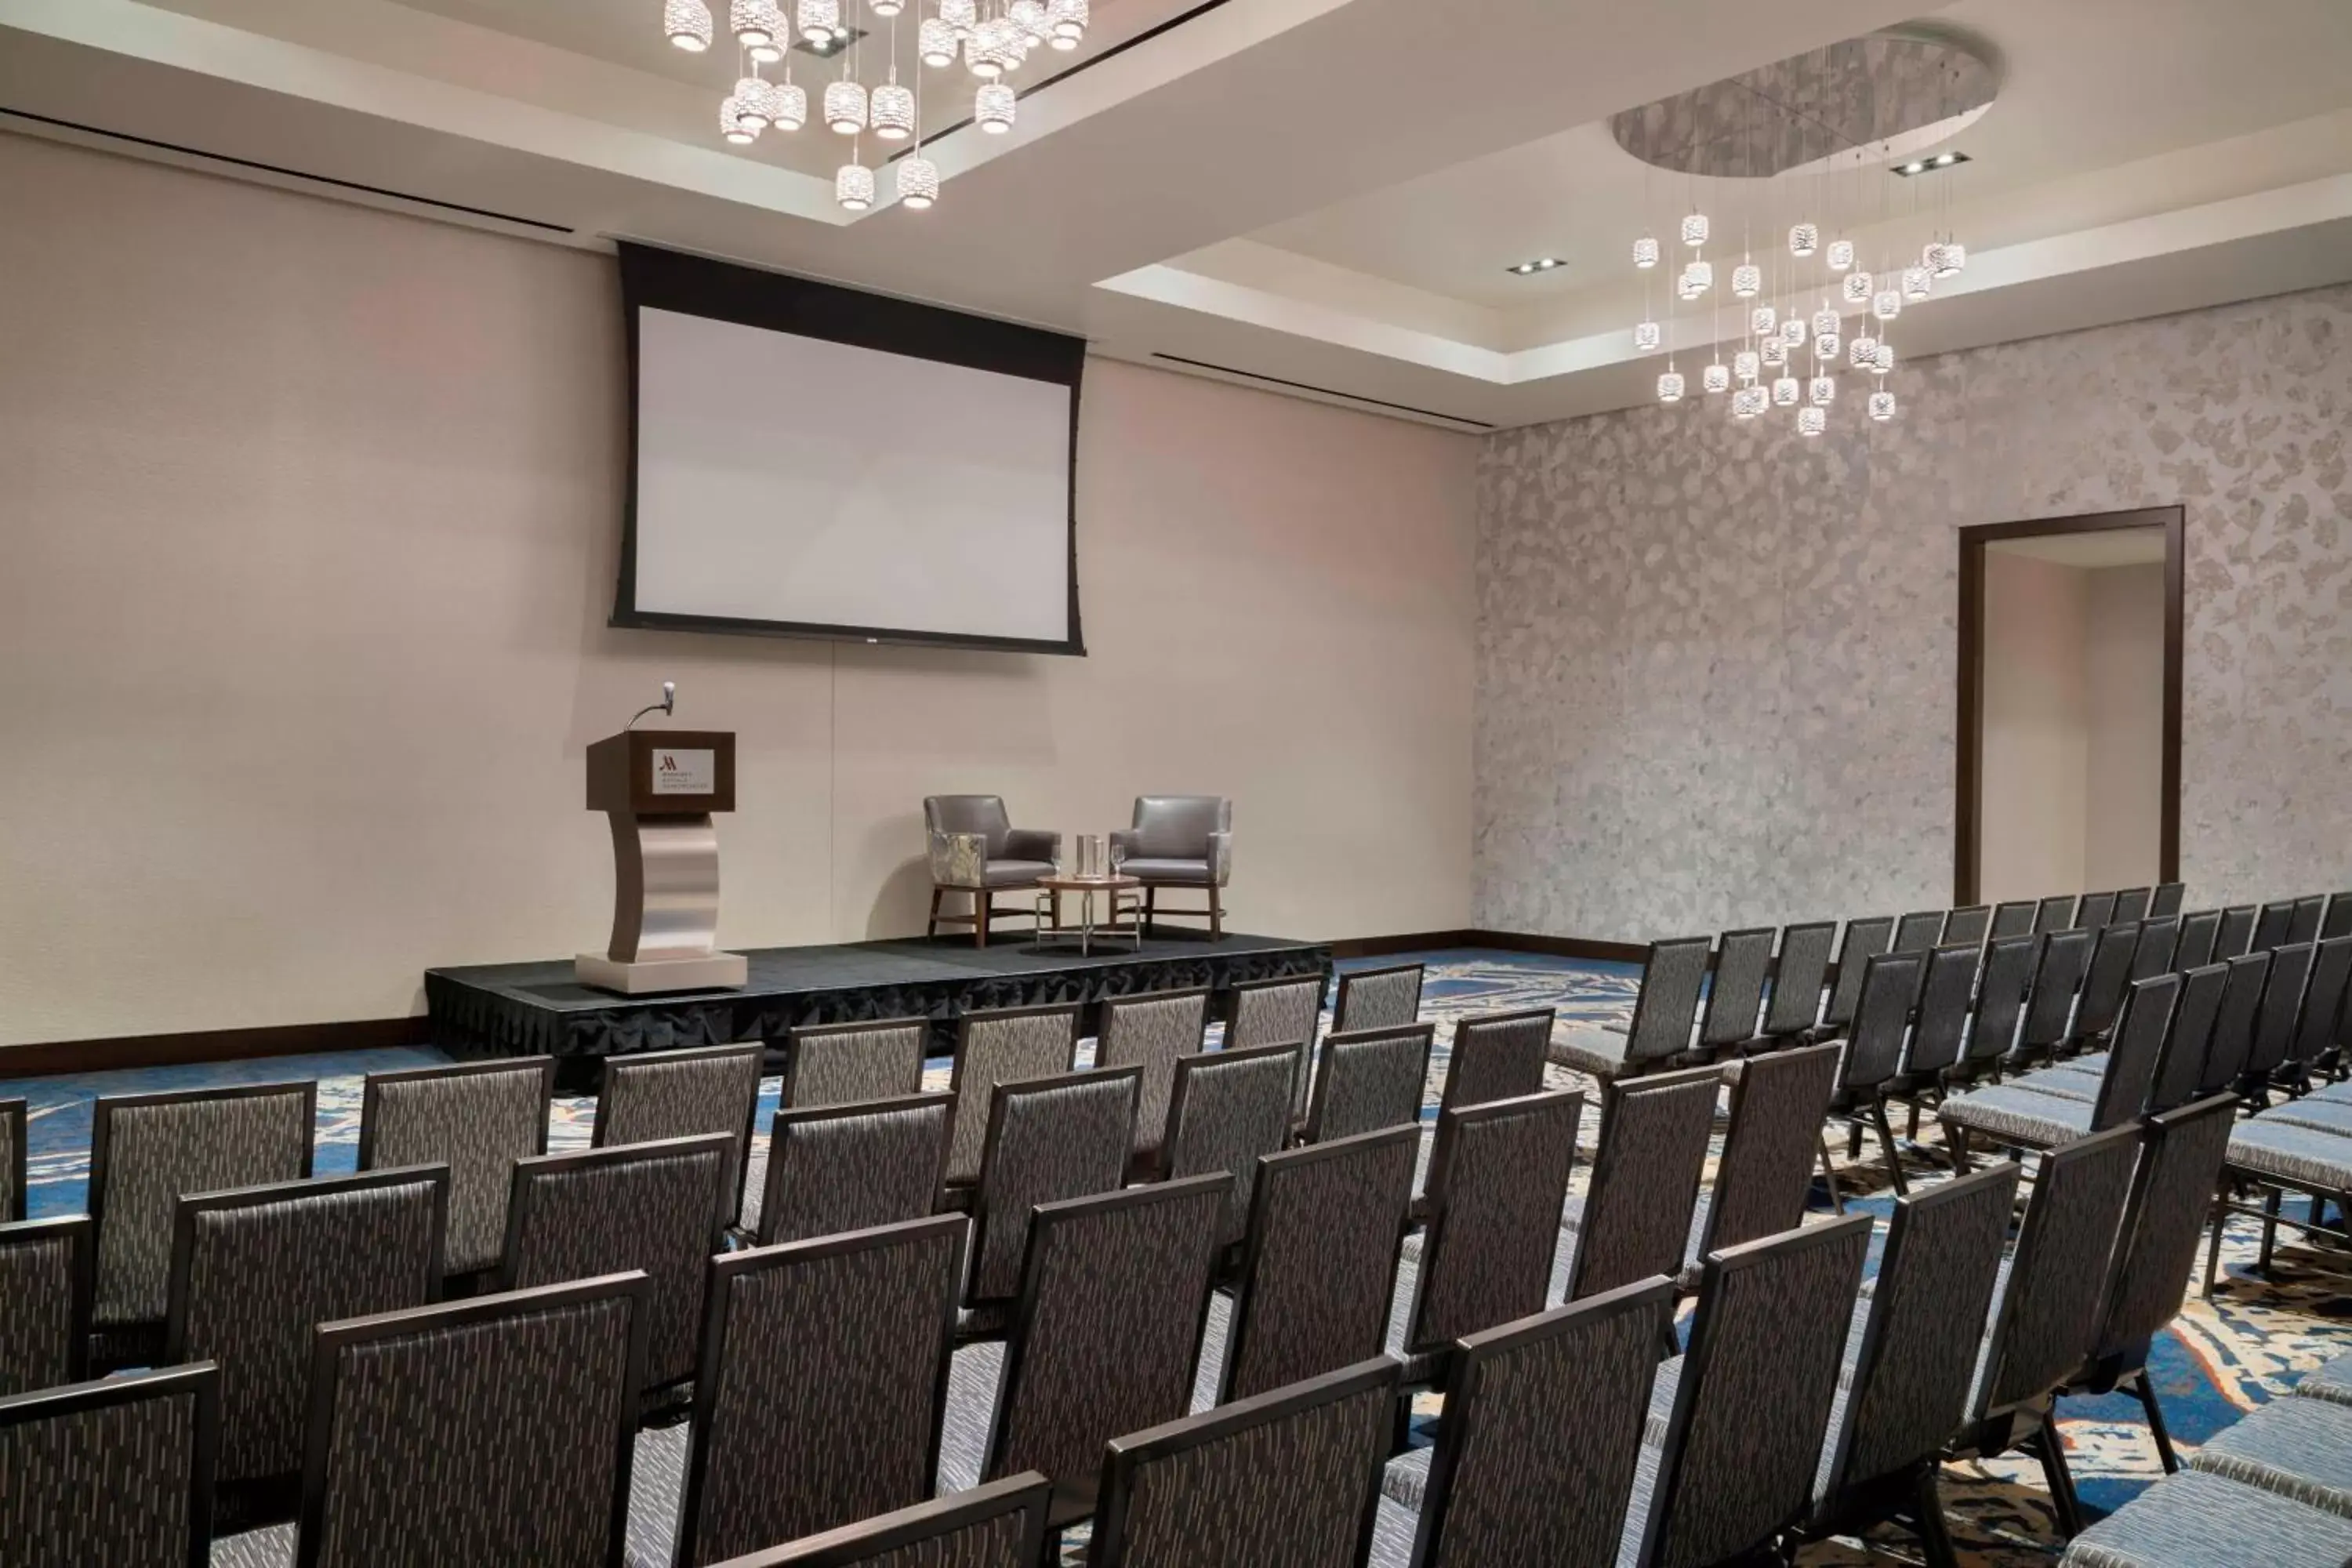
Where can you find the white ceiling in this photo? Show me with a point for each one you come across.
(1302, 190)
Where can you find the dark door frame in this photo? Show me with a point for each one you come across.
(1973, 540)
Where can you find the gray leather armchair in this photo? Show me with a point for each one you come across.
(1181, 841)
(976, 849)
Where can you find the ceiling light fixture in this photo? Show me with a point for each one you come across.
(1944, 160)
(686, 23)
(1540, 264)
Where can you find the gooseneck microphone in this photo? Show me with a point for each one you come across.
(668, 704)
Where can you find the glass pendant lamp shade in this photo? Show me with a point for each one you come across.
(853, 187)
(935, 41)
(1029, 16)
(1881, 359)
(993, 109)
(1825, 322)
(1747, 280)
(1804, 239)
(1763, 319)
(1955, 259)
(1940, 260)
(918, 182)
(1792, 332)
(1822, 390)
(1881, 406)
(1785, 392)
(755, 24)
(819, 19)
(787, 105)
(891, 111)
(1699, 276)
(1826, 346)
(1685, 289)
(732, 125)
(1747, 365)
(963, 16)
(845, 106)
(1917, 282)
(886, 9)
(1716, 377)
(1812, 421)
(1645, 252)
(1775, 352)
(1069, 19)
(1841, 255)
(1862, 352)
(1670, 386)
(751, 102)
(1748, 402)
(1887, 304)
(1647, 337)
(687, 24)
(1856, 288)
(1695, 229)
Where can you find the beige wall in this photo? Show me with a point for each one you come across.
(2123, 688)
(2036, 731)
(309, 515)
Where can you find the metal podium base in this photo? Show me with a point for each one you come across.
(716, 972)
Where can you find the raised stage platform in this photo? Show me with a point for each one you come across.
(532, 1009)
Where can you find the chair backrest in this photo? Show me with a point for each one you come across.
(116, 1471)
(1864, 940)
(1881, 1019)
(1376, 998)
(1743, 960)
(2337, 919)
(1177, 827)
(2141, 1030)
(1291, 1477)
(1939, 1034)
(1798, 977)
(2012, 918)
(1149, 1033)
(2275, 1025)
(12, 1160)
(1500, 1056)
(2095, 912)
(1369, 1080)
(1542, 1433)
(1637, 1207)
(479, 1431)
(991, 1047)
(253, 1271)
(2323, 1002)
(2168, 899)
(842, 1064)
(2171, 1197)
(1918, 932)
(1910, 1381)
(1228, 1107)
(1744, 1438)
(2271, 924)
(981, 814)
(2008, 965)
(2180, 1066)
(145, 1150)
(2192, 947)
(1048, 1139)
(2050, 1002)
(1284, 1012)
(2055, 912)
(1967, 925)
(633, 1206)
(2131, 904)
(1667, 1004)
(851, 1167)
(2233, 1026)
(2236, 935)
(680, 1094)
(1761, 1183)
(825, 1361)
(1497, 1178)
(2048, 1315)
(478, 1118)
(1112, 1301)
(2303, 921)
(2105, 983)
(2159, 937)
(1000, 1525)
(44, 1280)
(1321, 1261)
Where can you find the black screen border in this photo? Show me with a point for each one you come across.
(655, 278)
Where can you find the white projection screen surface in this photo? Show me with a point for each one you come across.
(804, 485)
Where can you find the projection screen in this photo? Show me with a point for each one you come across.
(810, 461)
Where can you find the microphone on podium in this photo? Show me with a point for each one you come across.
(668, 704)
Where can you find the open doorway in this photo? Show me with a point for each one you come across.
(2069, 706)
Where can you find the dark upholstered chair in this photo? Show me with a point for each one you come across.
(1746, 1408)
(994, 1045)
(823, 1362)
(681, 1094)
(1864, 941)
(2105, 983)
(1179, 841)
(1048, 1139)
(1001, 1525)
(1743, 961)
(478, 1118)
(1794, 1002)
(1229, 1108)
(1288, 1478)
(2274, 1025)
(44, 1283)
(2236, 936)
(1103, 1344)
(2131, 904)
(1968, 926)
(850, 1167)
(490, 1430)
(2180, 1062)
(2272, 923)
(1918, 932)
(12, 1160)
(1765, 1173)
(2014, 917)
(2050, 999)
(2002, 985)
(1385, 998)
(2095, 912)
(634, 1207)
(1659, 1034)
(2303, 922)
(2337, 921)
(976, 851)
(2168, 898)
(1282, 1011)
(1634, 1219)
(2159, 937)
(145, 1151)
(1939, 1028)
(2232, 1041)
(1873, 1053)
(1536, 1455)
(1369, 1080)
(2055, 912)
(2016, 1116)
(1908, 1357)
(1321, 1257)
(1496, 1055)
(254, 1270)
(2314, 1038)
(2192, 947)
(839, 1064)
(114, 1473)
(1148, 1032)
(1497, 1178)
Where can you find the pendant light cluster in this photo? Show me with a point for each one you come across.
(992, 38)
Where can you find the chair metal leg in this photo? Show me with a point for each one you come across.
(1853, 1136)
(2271, 1198)
(1887, 1143)
(2052, 1449)
(1934, 1539)
(2220, 1217)
(1957, 1139)
(1911, 1126)
(2147, 1402)
(1829, 1176)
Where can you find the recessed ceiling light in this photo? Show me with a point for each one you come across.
(1928, 164)
(1540, 264)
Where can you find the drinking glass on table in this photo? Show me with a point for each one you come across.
(1118, 855)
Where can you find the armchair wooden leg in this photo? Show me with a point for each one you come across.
(981, 902)
(1151, 908)
(1216, 913)
(932, 926)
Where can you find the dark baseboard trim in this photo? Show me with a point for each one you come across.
(1510, 941)
(210, 1045)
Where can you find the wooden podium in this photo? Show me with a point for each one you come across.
(660, 789)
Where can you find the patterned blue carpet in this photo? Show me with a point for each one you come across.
(2220, 1360)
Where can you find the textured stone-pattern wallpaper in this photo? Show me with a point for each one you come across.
(1715, 661)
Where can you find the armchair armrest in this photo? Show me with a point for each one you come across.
(959, 859)
(1031, 844)
(1220, 857)
(1125, 841)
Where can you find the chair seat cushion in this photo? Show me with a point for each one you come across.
(657, 1490)
(2299, 1156)
(1406, 1478)
(2321, 1116)
(269, 1548)
(2300, 1448)
(1600, 1052)
(1157, 868)
(973, 1374)
(1394, 1526)
(2010, 1111)
(2333, 1093)
(2197, 1520)
(1017, 873)
(2329, 1380)
(1211, 1368)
